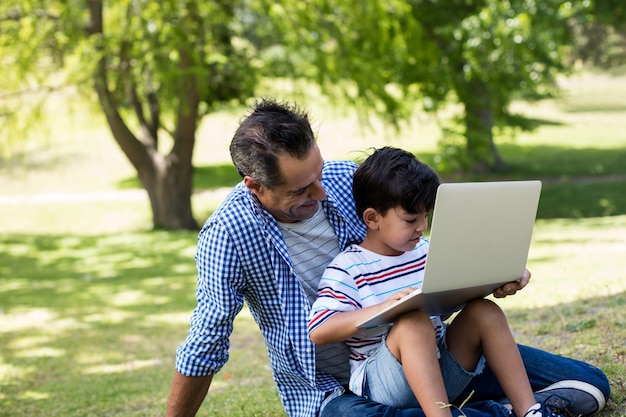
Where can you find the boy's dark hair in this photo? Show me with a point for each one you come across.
(393, 177)
(271, 129)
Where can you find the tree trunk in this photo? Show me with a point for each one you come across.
(167, 179)
(481, 149)
(168, 184)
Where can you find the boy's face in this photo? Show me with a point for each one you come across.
(398, 231)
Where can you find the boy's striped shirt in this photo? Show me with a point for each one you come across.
(359, 278)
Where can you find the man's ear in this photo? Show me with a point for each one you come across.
(370, 217)
(253, 185)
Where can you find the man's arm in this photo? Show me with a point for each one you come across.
(187, 394)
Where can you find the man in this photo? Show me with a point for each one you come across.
(268, 244)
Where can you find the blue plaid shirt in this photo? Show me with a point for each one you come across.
(241, 256)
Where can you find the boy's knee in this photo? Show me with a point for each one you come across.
(414, 320)
(484, 309)
(408, 329)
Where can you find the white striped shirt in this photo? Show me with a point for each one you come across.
(359, 278)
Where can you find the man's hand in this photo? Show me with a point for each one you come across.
(511, 288)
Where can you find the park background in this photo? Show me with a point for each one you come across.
(94, 300)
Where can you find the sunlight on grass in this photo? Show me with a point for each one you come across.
(573, 260)
(130, 297)
(87, 218)
(24, 318)
(43, 352)
(33, 395)
(603, 94)
(170, 318)
(121, 367)
(108, 316)
(12, 374)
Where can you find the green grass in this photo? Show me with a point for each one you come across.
(93, 304)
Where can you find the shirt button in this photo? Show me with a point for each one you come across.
(309, 350)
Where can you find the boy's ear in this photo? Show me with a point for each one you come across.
(370, 217)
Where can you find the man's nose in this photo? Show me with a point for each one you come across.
(317, 191)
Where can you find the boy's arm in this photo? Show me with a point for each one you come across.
(342, 325)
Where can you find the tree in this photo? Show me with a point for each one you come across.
(395, 54)
(157, 68)
(601, 35)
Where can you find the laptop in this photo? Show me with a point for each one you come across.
(479, 240)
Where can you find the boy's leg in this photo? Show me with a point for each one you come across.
(480, 329)
(413, 343)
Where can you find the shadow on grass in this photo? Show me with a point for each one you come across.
(90, 325)
(578, 183)
(88, 322)
(109, 269)
(590, 329)
(549, 162)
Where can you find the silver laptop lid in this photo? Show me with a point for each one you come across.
(480, 233)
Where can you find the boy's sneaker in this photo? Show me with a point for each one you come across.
(545, 410)
(571, 398)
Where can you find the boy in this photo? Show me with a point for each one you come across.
(418, 361)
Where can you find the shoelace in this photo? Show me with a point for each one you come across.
(534, 412)
(556, 406)
(553, 406)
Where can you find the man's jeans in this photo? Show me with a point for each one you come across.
(543, 369)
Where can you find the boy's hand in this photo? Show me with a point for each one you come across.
(397, 296)
(511, 288)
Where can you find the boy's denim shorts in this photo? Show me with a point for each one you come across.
(385, 381)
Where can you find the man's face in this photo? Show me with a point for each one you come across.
(297, 198)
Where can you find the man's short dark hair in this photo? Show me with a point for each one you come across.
(392, 177)
(269, 130)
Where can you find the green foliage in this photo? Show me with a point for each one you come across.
(50, 45)
(32, 49)
(394, 56)
(390, 56)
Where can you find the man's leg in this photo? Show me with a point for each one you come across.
(350, 405)
(544, 369)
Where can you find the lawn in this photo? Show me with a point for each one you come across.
(93, 304)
